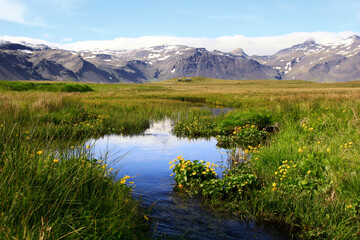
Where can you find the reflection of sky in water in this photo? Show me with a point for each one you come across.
(147, 157)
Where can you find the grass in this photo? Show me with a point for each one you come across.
(47, 86)
(312, 135)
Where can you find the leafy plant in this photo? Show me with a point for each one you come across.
(190, 174)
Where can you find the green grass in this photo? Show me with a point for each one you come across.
(313, 133)
(50, 87)
(51, 194)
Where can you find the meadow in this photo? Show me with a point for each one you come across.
(299, 165)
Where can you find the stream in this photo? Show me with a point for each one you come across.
(176, 215)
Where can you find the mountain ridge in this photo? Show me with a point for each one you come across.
(305, 61)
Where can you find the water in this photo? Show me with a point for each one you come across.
(177, 215)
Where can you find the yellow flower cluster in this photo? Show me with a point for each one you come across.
(347, 145)
(307, 128)
(95, 119)
(284, 168)
(123, 180)
(300, 150)
(179, 158)
(218, 104)
(238, 129)
(274, 186)
(186, 164)
(251, 149)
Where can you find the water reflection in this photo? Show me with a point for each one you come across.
(147, 156)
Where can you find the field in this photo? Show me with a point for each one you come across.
(300, 165)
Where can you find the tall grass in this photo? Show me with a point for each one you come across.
(52, 190)
(317, 144)
(51, 194)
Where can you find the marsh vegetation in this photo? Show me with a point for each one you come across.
(299, 165)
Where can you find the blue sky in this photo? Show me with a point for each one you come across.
(71, 21)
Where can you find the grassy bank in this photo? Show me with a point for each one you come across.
(305, 173)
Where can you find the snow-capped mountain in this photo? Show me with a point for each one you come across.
(313, 61)
(305, 61)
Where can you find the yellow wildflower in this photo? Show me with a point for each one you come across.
(308, 172)
(146, 218)
(39, 152)
(56, 160)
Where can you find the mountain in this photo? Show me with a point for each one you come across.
(312, 61)
(24, 62)
(306, 61)
(166, 62)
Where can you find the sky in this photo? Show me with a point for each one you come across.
(259, 26)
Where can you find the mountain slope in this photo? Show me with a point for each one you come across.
(305, 61)
(313, 61)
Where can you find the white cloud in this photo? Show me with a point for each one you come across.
(66, 39)
(12, 11)
(251, 45)
(15, 11)
(28, 40)
(47, 36)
